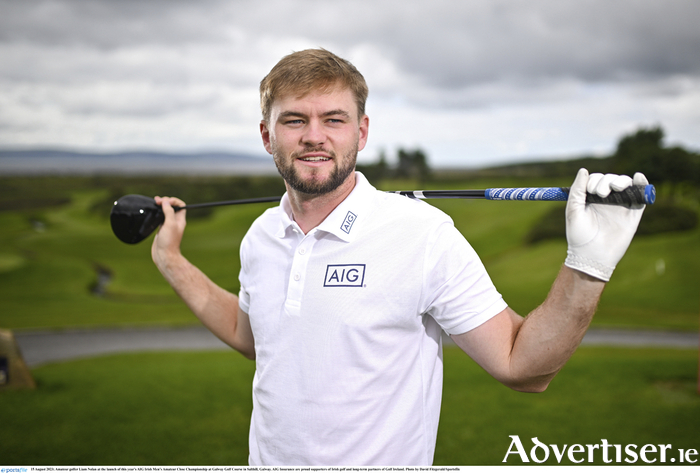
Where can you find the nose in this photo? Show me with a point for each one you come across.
(314, 134)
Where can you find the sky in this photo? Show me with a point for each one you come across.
(472, 83)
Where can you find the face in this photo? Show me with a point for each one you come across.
(315, 139)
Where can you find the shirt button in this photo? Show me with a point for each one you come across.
(297, 277)
(302, 251)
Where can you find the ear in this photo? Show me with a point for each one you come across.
(364, 133)
(265, 134)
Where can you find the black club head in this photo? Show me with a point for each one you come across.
(134, 217)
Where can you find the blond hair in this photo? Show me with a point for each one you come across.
(310, 70)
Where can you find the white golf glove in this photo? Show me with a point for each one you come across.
(598, 234)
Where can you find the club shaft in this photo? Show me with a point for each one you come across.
(257, 200)
(632, 195)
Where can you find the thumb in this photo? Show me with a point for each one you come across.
(579, 227)
(577, 192)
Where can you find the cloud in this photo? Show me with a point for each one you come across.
(445, 42)
(482, 79)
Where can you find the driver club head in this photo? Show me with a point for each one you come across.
(134, 217)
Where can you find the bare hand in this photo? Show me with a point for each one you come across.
(166, 244)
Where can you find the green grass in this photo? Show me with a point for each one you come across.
(137, 409)
(638, 295)
(49, 256)
(194, 408)
(46, 275)
(627, 396)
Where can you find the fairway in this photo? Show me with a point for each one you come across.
(53, 251)
(194, 409)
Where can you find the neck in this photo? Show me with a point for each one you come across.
(310, 210)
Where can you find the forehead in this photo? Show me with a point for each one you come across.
(338, 98)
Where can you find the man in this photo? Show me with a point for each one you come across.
(345, 290)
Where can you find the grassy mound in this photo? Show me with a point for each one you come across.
(53, 258)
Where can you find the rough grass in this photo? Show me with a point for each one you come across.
(194, 409)
(627, 396)
(49, 258)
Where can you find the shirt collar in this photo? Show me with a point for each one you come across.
(346, 219)
(286, 220)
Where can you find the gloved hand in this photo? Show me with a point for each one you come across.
(598, 234)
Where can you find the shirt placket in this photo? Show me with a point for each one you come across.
(297, 276)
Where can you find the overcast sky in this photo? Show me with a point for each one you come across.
(470, 82)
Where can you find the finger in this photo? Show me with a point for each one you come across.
(578, 188)
(167, 204)
(603, 187)
(621, 183)
(172, 201)
(640, 179)
(593, 181)
(577, 195)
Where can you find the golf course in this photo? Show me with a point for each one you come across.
(61, 268)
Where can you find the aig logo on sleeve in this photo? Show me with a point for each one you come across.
(344, 275)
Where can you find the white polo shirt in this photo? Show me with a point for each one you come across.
(347, 322)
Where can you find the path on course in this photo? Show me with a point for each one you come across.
(41, 347)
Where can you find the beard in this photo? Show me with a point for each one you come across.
(313, 185)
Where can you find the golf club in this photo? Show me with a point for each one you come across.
(134, 217)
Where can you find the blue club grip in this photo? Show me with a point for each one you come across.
(631, 196)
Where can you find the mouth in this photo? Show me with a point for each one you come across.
(315, 157)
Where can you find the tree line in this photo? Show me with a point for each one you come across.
(643, 150)
(411, 164)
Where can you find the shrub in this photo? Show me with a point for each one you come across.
(658, 218)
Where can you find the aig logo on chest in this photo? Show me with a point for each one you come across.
(344, 275)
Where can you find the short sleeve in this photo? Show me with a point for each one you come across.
(243, 295)
(457, 291)
(244, 300)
